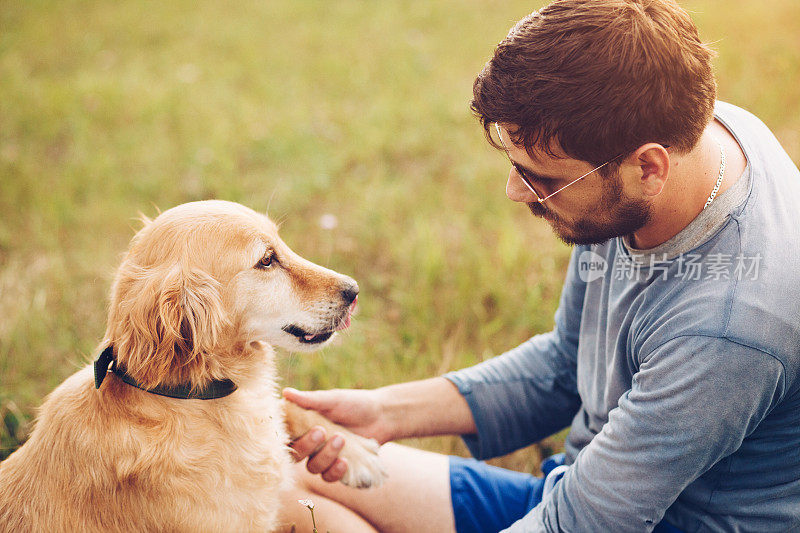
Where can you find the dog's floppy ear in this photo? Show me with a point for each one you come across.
(163, 322)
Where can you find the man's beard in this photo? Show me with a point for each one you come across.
(618, 216)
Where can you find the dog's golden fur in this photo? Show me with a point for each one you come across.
(204, 293)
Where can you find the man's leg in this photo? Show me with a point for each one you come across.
(328, 515)
(415, 497)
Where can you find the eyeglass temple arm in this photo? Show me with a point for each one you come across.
(576, 180)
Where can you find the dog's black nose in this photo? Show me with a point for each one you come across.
(350, 292)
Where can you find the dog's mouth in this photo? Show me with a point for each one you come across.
(307, 337)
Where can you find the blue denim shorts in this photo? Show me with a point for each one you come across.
(487, 499)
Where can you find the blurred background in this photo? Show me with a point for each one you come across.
(347, 121)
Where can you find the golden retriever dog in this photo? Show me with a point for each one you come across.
(185, 432)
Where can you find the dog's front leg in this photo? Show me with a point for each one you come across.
(364, 468)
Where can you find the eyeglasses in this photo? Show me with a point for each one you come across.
(528, 180)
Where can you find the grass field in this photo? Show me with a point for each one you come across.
(306, 109)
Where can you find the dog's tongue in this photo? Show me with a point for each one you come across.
(346, 322)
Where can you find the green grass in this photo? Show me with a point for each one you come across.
(305, 108)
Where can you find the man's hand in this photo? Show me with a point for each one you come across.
(357, 410)
(416, 409)
(360, 411)
(323, 457)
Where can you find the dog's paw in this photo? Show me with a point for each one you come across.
(364, 469)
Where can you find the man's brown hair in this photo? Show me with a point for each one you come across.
(600, 78)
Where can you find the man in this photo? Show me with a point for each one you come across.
(675, 356)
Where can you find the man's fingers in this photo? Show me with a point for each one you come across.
(323, 460)
(335, 472)
(308, 443)
(307, 400)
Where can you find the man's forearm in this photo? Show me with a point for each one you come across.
(426, 408)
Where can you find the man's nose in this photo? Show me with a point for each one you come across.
(516, 190)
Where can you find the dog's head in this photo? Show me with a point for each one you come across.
(204, 282)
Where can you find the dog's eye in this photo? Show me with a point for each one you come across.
(266, 262)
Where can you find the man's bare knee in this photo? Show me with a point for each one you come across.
(416, 479)
(329, 514)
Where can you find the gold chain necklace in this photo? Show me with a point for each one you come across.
(721, 173)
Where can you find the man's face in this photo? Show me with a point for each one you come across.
(589, 211)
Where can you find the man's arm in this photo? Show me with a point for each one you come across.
(415, 409)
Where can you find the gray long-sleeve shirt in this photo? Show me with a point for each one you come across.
(678, 369)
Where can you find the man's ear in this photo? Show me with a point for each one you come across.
(653, 162)
(164, 322)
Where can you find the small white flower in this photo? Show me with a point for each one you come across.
(308, 503)
(328, 221)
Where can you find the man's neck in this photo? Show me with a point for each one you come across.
(692, 177)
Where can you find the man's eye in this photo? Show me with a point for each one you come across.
(265, 262)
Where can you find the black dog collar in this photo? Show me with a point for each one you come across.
(215, 389)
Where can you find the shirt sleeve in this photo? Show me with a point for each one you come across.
(692, 403)
(530, 392)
